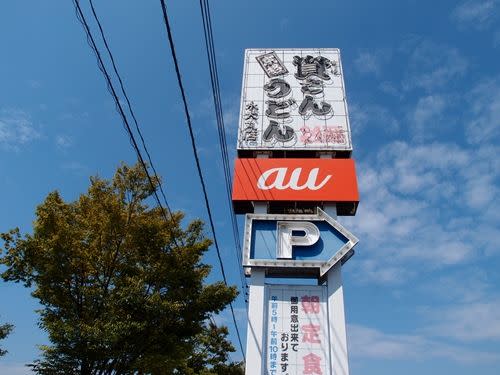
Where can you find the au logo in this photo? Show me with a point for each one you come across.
(280, 175)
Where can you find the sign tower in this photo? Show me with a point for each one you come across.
(293, 176)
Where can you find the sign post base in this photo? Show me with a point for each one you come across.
(255, 326)
(270, 316)
(339, 364)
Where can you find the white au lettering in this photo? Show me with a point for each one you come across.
(293, 183)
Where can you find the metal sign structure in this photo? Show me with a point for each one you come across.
(299, 180)
(293, 99)
(295, 241)
(294, 148)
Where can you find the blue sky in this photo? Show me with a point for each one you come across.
(423, 86)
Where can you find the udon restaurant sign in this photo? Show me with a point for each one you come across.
(293, 99)
(324, 180)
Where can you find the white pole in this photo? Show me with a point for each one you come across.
(339, 361)
(255, 326)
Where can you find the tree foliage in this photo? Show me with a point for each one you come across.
(5, 329)
(122, 288)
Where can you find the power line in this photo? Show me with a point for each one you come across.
(214, 78)
(111, 89)
(197, 160)
(138, 129)
(90, 40)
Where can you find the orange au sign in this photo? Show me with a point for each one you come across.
(299, 180)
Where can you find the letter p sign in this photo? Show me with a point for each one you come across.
(288, 236)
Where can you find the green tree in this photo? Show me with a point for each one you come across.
(5, 329)
(123, 289)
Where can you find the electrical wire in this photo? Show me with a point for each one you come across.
(197, 160)
(214, 78)
(138, 129)
(90, 40)
(112, 91)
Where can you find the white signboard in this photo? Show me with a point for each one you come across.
(293, 99)
(297, 330)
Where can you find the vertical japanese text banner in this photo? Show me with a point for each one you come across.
(297, 330)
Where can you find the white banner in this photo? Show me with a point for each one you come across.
(297, 330)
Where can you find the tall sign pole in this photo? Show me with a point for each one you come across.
(339, 361)
(293, 176)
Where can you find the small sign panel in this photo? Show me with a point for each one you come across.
(293, 99)
(295, 242)
(297, 330)
(322, 180)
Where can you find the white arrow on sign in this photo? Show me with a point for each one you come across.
(295, 241)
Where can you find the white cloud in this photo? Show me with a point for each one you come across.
(363, 117)
(496, 39)
(390, 88)
(485, 123)
(478, 14)
(424, 207)
(204, 108)
(16, 129)
(472, 321)
(462, 286)
(365, 342)
(76, 168)
(73, 116)
(33, 83)
(371, 62)
(462, 311)
(284, 23)
(479, 191)
(231, 113)
(225, 318)
(432, 66)
(63, 141)
(426, 115)
(370, 270)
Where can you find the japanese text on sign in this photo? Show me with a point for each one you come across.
(293, 99)
(296, 330)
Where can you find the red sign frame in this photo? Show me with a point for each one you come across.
(299, 180)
